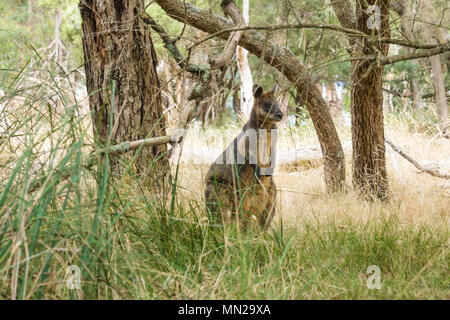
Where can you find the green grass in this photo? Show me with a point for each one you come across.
(56, 212)
(326, 261)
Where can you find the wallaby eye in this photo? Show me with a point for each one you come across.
(267, 106)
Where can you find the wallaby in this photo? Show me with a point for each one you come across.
(240, 183)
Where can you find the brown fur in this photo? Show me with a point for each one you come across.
(239, 190)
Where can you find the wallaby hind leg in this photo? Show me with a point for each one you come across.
(220, 201)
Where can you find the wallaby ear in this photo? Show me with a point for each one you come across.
(257, 90)
(274, 88)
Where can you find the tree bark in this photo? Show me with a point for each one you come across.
(369, 161)
(121, 78)
(287, 63)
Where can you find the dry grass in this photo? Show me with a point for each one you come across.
(414, 196)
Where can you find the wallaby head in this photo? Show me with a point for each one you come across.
(266, 111)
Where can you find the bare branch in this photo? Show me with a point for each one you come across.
(170, 45)
(424, 96)
(201, 71)
(230, 9)
(348, 32)
(416, 55)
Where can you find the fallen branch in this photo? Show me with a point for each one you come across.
(117, 149)
(432, 171)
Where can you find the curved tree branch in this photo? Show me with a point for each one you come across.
(352, 33)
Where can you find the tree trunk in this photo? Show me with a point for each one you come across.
(244, 70)
(334, 103)
(287, 63)
(369, 162)
(284, 85)
(432, 32)
(121, 78)
(441, 100)
(417, 93)
(388, 105)
(404, 10)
